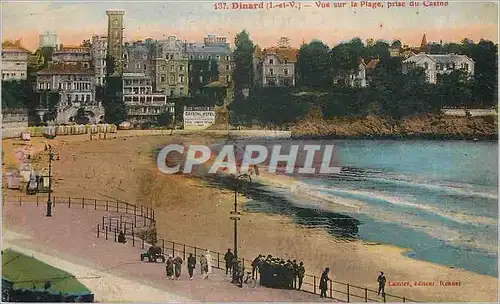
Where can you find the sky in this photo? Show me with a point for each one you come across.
(74, 21)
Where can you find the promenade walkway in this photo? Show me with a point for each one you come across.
(70, 235)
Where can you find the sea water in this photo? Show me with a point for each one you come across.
(439, 199)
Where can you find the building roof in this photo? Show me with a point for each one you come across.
(372, 64)
(216, 84)
(201, 48)
(282, 53)
(73, 49)
(13, 46)
(441, 58)
(66, 69)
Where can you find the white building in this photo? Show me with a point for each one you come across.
(98, 53)
(436, 65)
(14, 61)
(275, 67)
(143, 105)
(75, 86)
(48, 39)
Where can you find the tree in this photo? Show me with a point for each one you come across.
(396, 44)
(114, 107)
(81, 117)
(243, 60)
(86, 43)
(47, 52)
(284, 43)
(314, 65)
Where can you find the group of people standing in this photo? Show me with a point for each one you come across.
(173, 266)
(277, 273)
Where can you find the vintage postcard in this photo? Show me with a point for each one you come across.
(249, 151)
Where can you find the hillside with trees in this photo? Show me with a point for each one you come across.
(393, 99)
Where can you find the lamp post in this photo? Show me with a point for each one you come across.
(51, 158)
(235, 215)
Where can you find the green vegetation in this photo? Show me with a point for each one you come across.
(114, 107)
(28, 272)
(322, 73)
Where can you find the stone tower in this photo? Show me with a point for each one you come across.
(115, 38)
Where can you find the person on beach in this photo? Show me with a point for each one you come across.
(191, 265)
(323, 282)
(228, 257)
(177, 267)
(170, 267)
(301, 271)
(381, 284)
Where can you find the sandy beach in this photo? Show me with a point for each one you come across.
(189, 212)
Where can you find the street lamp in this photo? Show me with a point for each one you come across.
(51, 158)
(235, 215)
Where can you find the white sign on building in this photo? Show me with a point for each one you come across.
(198, 117)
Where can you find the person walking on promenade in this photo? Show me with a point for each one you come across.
(177, 267)
(301, 271)
(191, 265)
(323, 282)
(295, 272)
(170, 267)
(204, 266)
(228, 257)
(256, 265)
(381, 284)
(234, 263)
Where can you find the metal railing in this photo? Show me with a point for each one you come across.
(135, 217)
(138, 215)
(339, 291)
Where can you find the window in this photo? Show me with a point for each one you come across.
(285, 71)
(163, 68)
(125, 66)
(172, 57)
(201, 57)
(217, 57)
(228, 67)
(426, 65)
(163, 78)
(172, 78)
(271, 71)
(209, 57)
(137, 65)
(171, 92)
(228, 58)
(22, 74)
(181, 78)
(171, 68)
(191, 57)
(145, 67)
(286, 61)
(271, 61)
(181, 68)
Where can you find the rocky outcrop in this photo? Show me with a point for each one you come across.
(426, 126)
